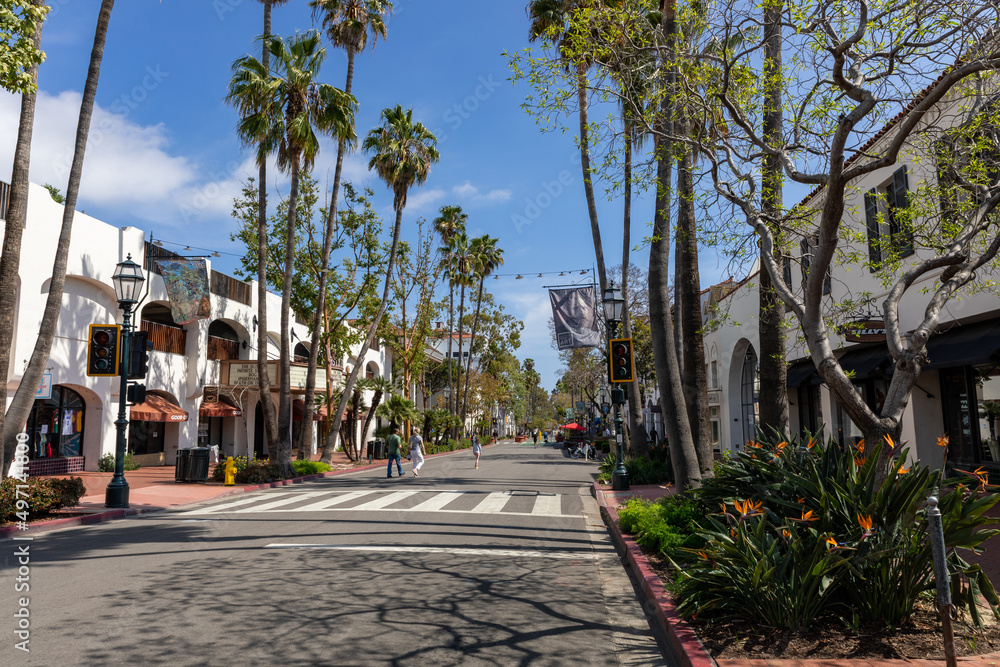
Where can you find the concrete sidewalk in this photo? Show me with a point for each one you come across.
(683, 640)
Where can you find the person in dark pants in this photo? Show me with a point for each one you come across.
(392, 450)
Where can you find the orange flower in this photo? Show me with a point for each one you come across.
(832, 542)
(889, 442)
(902, 471)
(754, 444)
(781, 445)
(982, 476)
(859, 461)
(810, 444)
(703, 555)
(807, 516)
(865, 522)
(942, 441)
(861, 445)
(787, 533)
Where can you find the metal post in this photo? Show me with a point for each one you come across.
(116, 494)
(936, 530)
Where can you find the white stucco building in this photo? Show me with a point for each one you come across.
(74, 427)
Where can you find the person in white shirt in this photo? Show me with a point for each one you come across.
(417, 452)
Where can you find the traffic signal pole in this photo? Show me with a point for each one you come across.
(116, 494)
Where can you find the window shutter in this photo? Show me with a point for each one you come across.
(902, 239)
(871, 220)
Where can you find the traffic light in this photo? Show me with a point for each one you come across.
(135, 394)
(620, 360)
(102, 352)
(139, 347)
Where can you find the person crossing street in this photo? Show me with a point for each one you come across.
(417, 452)
(392, 451)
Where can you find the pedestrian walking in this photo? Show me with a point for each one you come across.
(534, 436)
(477, 448)
(392, 450)
(417, 452)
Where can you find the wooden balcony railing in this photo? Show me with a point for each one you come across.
(166, 338)
(230, 288)
(223, 348)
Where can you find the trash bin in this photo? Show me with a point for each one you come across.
(379, 449)
(182, 467)
(198, 471)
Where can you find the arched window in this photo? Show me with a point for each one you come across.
(55, 425)
(223, 341)
(749, 393)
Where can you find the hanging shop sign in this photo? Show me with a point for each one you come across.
(865, 331)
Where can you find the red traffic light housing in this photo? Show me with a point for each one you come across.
(103, 342)
(621, 366)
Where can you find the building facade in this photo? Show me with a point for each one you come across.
(196, 394)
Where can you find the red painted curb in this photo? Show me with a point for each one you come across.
(683, 640)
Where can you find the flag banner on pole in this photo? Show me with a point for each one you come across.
(186, 281)
(575, 314)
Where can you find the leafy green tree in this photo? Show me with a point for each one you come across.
(20, 52)
(489, 257)
(402, 153)
(398, 410)
(24, 398)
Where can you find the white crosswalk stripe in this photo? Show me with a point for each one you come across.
(469, 502)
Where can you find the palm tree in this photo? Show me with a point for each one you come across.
(398, 410)
(17, 209)
(462, 272)
(549, 23)
(451, 222)
(402, 154)
(381, 386)
(305, 106)
(348, 24)
(489, 258)
(264, 149)
(24, 398)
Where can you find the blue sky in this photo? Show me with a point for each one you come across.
(164, 156)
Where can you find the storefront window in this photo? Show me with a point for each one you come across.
(988, 400)
(145, 437)
(55, 425)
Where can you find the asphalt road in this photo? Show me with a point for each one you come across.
(505, 565)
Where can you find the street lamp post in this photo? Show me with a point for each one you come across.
(128, 282)
(614, 306)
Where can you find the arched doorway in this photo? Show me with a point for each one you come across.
(56, 425)
(749, 394)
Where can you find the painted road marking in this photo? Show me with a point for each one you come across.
(498, 553)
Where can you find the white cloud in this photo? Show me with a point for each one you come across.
(423, 199)
(471, 194)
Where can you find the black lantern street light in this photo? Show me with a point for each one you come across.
(614, 307)
(128, 282)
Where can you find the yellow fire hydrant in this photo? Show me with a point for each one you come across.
(230, 471)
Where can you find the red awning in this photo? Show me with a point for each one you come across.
(224, 408)
(573, 426)
(299, 408)
(156, 408)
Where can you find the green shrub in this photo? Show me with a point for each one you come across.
(308, 467)
(107, 463)
(130, 462)
(42, 496)
(805, 529)
(254, 471)
(641, 470)
(659, 527)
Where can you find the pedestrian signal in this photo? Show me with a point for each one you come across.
(138, 352)
(102, 352)
(622, 366)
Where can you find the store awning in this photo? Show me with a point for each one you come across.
(299, 408)
(802, 373)
(156, 408)
(223, 408)
(965, 345)
(865, 361)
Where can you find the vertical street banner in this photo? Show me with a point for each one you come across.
(575, 314)
(186, 281)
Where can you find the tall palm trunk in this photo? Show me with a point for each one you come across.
(637, 429)
(468, 365)
(10, 260)
(376, 400)
(460, 427)
(683, 456)
(24, 398)
(331, 225)
(588, 186)
(451, 339)
(285, 364)
(263, 381)
(331, 443)
(773, 373)
(693, 374)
